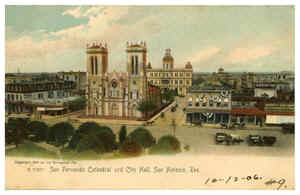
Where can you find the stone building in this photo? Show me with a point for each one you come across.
(78, 77)
(170, 78)
(30, 97)
(116, 94)
(209, 104)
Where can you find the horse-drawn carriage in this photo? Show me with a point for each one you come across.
(232, 125)
(147, 123)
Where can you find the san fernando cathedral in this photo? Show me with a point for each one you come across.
(116, 94)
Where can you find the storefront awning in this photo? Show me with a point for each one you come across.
(279, 119)
(48, 108)
(247, 111)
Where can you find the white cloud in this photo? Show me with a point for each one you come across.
(79, 12)
(204, 54)
(104, 24)
(246, 54)
(75, 12)
(101, 26)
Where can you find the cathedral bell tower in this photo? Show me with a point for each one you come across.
(97, 67)
(97, 60)
(136, 68)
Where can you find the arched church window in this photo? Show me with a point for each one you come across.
(92, 64)
(96, 64)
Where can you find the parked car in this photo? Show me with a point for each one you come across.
(228, 139)
(255, 140)
(288, 128)
(258, 140)
(269, 140)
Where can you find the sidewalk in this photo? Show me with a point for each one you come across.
(111, 121)
(247, 127)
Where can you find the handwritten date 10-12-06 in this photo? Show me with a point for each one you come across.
(250, 179)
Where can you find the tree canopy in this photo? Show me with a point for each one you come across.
(122, 134)
(167, 144)
(142, 136)
(91, 135)
(60, 133)
(16, 130)
(145, 106)
(39, 130)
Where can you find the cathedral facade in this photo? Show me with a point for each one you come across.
(116, 94)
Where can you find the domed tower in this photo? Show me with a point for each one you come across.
(188, 65)
(168, 61)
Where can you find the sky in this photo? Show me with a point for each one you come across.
(247, 39)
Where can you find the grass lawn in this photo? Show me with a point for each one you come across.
(28, 149)
(90, 155)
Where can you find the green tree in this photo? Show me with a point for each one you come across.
(122, 134)
(142, 136)
(90, 142)
(167, 144)
(77, 104)
(90, 133)
(8, 134)
(60, 133)
(145, 106)
(168, 96)
(39, 130)
(16, 130)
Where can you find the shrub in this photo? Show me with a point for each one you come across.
(131, 148)
(92, 132)
(77, 104)
(90, 142)
(16, 130)
(122, 134)
(142, 136)
(166, 145)
(187, 147)
(60, 133)
(39, 130)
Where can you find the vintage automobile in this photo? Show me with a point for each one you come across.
(232, 125)
(288, 128)
(258, 140)
(228, 139)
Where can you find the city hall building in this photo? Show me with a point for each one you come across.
(170, 78)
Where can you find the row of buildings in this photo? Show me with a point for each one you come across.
(220, 97)
(37, 94)
(216, 103)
